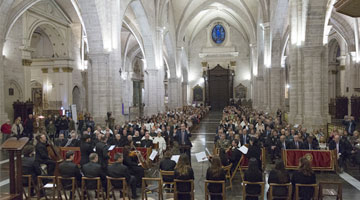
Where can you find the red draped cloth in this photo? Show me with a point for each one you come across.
(142, 150)
(76, 150)
(320, 159)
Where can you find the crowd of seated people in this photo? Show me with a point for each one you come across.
(94, 142)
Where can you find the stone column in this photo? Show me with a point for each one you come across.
(184, 93)
(3, 115)
(99, 84)
(267, 66)
(276, 88)
(175, 93)
(152, 97)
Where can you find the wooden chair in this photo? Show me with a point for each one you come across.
(29, 184)
(208, 193)
(323, 191)
(261, 194)
(237, 168)
(145, 187)
(297, 186)
(228, 175)
(64, 188)
(289, 189)
(191, 192)
(98, 189)
(50, 185)
(164, 183)
(111, 188)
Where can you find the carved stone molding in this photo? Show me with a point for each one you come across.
(45, 70)
(56, 69)
(67, 69)
(26, 62)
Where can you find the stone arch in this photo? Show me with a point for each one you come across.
(76, 95)
(344, 29)
(334, 50)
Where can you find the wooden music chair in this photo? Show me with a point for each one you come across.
(111, 188)
(237, 168)
(289, 189)
(208, 193)
(145, 187)
(228, 175)
(261, 194)
(48, 186)
(64, 188)
(191, 192)
(297, 186)
(326, 192)
(98, 189)
(164, 183)
(28, 183)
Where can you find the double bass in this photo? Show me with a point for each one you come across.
(54, 154)
(134, 152)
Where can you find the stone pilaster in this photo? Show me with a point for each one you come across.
(3, 115)
(276, 88)
(175, 93)
(154, 93)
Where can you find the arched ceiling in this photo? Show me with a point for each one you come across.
(192, 16)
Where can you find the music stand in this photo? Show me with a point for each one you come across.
(14, 146)
(186, 149)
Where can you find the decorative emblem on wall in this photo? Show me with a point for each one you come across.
(198, 93)
(240, 91)
(218, 34)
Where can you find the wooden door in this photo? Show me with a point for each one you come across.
(219, 87)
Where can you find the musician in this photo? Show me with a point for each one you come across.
(235, 154)
(102, 151)
(215, 173)
(254, 151)
(69, 169)
(29, 165)
(118, 170)
(253, 174)
(147, 142)
(133, 164)
(61, 141)
(93, 169)
(183, 138)
(162, 144)
(167, 165)
(183, 171)
(86, 149)
(42, 155)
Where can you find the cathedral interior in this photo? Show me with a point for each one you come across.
(138, 58)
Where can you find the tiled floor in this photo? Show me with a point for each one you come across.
(203, 137)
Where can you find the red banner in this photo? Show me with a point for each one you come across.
(76, 150)
(320, 159)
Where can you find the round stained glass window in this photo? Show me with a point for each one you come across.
(218, 34)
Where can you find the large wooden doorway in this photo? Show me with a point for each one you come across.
(219, 87)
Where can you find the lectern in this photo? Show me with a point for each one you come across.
(14, 146)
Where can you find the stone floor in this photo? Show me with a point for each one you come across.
(203, 136)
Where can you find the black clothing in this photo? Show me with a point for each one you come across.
(118, 170)
(213, 187)
(146, 143)
(254, 151)
(274, 178)
(235, 158)
(134, 168)
(253, 176)
(305, 193)
(184, 187)
(167, 165)
(137, 141)
(85, 149)
(314, 145)
(69, 169)
(60, 143)
(102, 151)
(74, 143)
(42, 157)
(63, 124)
(29, 128)
(93, 170)
(30, 167)
(117, 143)
(298, 146)
(244, 139)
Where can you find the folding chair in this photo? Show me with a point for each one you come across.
(209, 193)
(176, 192)
(330, 192)
(46, 183)
(288, 187)
(99, 190)
(228, 175)
(261, 194)
(28, 183)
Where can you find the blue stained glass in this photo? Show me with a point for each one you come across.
(218, 34)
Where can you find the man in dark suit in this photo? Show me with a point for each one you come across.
(61, 141)
(93, 169)
(147, 143)
(30, 166)
(69, 169)
(42, 155)
(350, 124)
(102, 151)
(283, 143)
(118, 170)
(244, 137)
(272, 144)
(167, 165)
(341, 150)
(168, 135)
(117, 141)
(86, 149)
(183, 138)
(310, 144)
(296, 143)
(29, 127)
